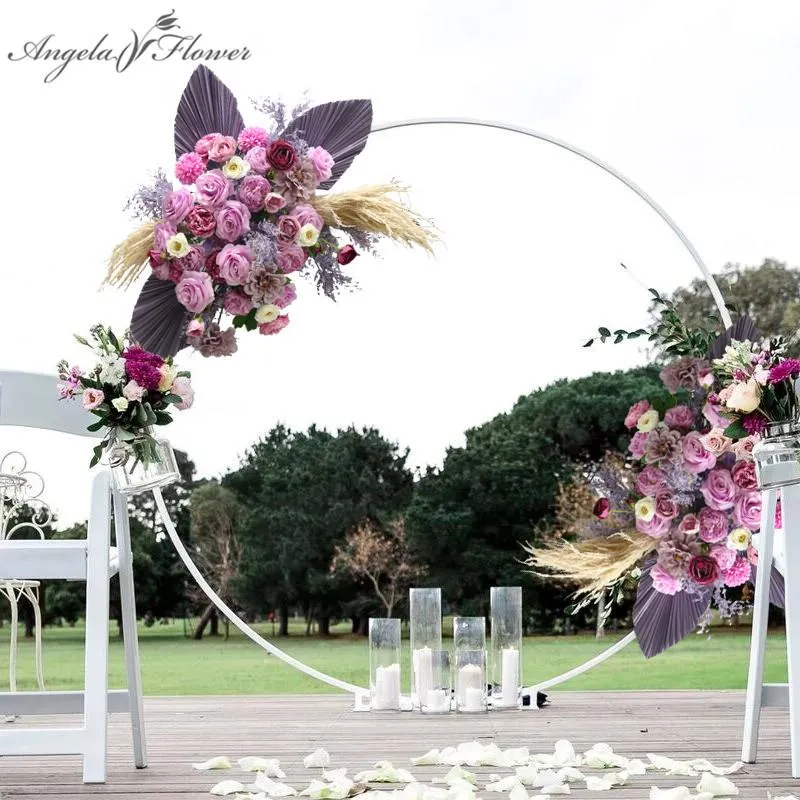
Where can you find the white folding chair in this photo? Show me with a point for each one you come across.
(29, 400)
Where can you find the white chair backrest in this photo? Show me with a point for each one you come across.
(30, 400)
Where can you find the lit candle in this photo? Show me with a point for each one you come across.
(386, 694)
(423, 672)
(436, 701)
(470, 679)
(510, 678)
(474, 700)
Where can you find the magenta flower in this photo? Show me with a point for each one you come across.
(143, 367)
(189, 168)
(790, 368)
(602, 508)
(703, 570)
(740, 572)
(253, 137)
(754, 424)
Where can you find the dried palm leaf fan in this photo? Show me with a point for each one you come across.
(207, 106)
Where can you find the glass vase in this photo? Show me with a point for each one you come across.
(141, 464)
(384, 664)
(426, 638)
(777, 455)
(437, 699)
(505, 652)
(469, 640)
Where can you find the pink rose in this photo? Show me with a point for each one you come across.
(743, 449)
(650, 481)
(638, 444)
(234, 262)
(744, 475)
(752, 555)
(689, 525)
(719, 489)
(202, 146)
(711, 411)
(194, 291)
(680, 417)
(274, 202)
(655, 527)
(306, 215)
(92, 398)
(252, 191)
(723, 555)
(666, 506)
(716, 442)
(288, 297)
(195, 328)
(740, 572)
(182, 387)
(662, 581)
(132, 391)
(634, 412)
(213, 188)
(221, 149)
(177, 205)
(276, 326)
(162, 232)
(256, 157)
(233, 220)
(200, 222)
(237, 303)
(713, 525)
(290, 258)
(288, 228)
(747, 510)
(323, 162)
(696, 458)
(703, 570)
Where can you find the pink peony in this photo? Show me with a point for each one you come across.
(233, 220)
(237, 303)
(306, 215)
(681, 417)
(662, 581)
(276, 326)
(200, 222)
(713, 525)
(195, 328)
(132, 391)
(203, 144)
(142, 367)
(92, 398)
(689, 525)
(274, 202)
(650, 481)
(288, 297)
(221, 149)
(744, 475)
(252, 191)
(634, 412)
(655, 527)
(747, 510)
(740, 572)
(638, 444)
(235, 262)
(703, 570)
(754, 424)
(253, 137)
(723, 555)
(290, 258)
(182, 387)
(256, 157)
(213, 188)
(195, 291)
(719, 490)
(666, 506)
(696, 457)
(177, 205)
(189, 168)
(323, 162)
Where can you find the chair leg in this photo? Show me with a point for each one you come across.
(96, 654)
(129, 632)
(12, 656)
(758, 635)
(791, 516)
(33, 597)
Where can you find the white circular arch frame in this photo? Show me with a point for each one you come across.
(361, 693)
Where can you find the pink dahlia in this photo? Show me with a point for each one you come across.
(738, 573)
(189, 168)
(253, 137)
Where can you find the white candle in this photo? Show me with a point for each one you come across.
(510, 678)
(470, 676)
(423, 672)
(386, 693)
(436, 701)
(474, 700)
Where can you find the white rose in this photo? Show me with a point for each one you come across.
(744, 397)
(648, 421)
(267, 313)
(645, 509)
(168, 375)
(307, 236)
(236, 167)
(120, 403)
(739, 539)
(177, 245)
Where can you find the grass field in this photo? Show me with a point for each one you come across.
(175, 665)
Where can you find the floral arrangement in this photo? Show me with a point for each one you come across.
(128, 390)
(249, 215)
(677, 511)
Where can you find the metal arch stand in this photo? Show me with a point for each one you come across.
(361, 694)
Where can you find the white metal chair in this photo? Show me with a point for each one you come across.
(30, 400)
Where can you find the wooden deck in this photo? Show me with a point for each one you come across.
(183, 730)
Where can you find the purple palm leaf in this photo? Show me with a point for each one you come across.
(341, 127)
(777, 588)
(159, 321)
(743, 329)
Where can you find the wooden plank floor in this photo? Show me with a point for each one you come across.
(182, 730)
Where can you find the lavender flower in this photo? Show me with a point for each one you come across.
(147, 202)
(263, 244)
(277, 111)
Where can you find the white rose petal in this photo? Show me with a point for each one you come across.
(493, 756)
(504, 784)
(602, 783)
(449, 756)
(385, 772)
(518, 793)
(460, 785)
(430, 758)
(672, 767)
(636, 767)
(517, 756)
(781, 797)
(556, 788)
(702, 765)
(678, 793)
(218, 762)
(547, 778)
(272, 788)
(527, 775)
(435, 793)
(602, 756)
(470, 753)
(334, 775)
(319, 758)
(570, 774)
(271, 767)
(224, 788)
(716, 785)
(458, 773)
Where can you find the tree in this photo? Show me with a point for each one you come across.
(382, 556)
(215, 515)
(769, 293)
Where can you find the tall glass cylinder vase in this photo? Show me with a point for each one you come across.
(437, 700)
(142, 463)
(469, 640)
(425, 607)
(505, 652)
(384, 664)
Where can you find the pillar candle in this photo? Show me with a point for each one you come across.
(470, 676)
(423, 672)
(386, 694)
(510, 677)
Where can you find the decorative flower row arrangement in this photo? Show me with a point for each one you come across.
(128, 390)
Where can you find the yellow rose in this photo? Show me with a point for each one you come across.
(177, 246)
(648, 421)
(168, 375)
(739, 539)
(744, 397)
(267, 313)
(307, 236)
(235, 167)
(645, 509)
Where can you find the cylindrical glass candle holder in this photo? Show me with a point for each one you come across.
(505, 652)
(469, 639)
(384, 664)
(425, 612)
(436, 700)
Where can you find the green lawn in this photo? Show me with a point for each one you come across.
(174, 665)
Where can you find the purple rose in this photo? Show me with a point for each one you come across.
(713, 525)
(213, 188)
(638, 444)
(200, 222)
(712, 414)
(194, 291)
(288, 228)
(162, 232)
(288, 297)
(256, 157)
(655, 527)
(234, 262)
(704, 570)
(307, 215)
(747, 510)
(252, 191)
(650, 481)
(662, 581)
(237, 303)
(719, 490)
(744, 475)
(696, 458)
(290, 258)
(323, 162)
(233, 220)
(192, 261)
(177, 205)
(666, 506)
(680, 417)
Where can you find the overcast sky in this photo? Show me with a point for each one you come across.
(695, 102)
